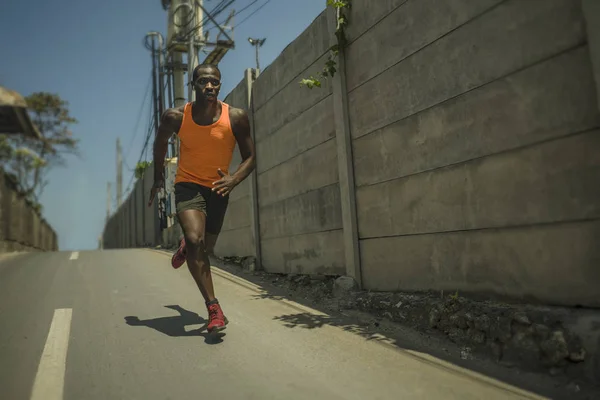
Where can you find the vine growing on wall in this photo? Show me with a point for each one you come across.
(330, 68)
(140, 168)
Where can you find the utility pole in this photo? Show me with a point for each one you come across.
(119, 174)
(108, 201)
(257, 43)
(158, 69)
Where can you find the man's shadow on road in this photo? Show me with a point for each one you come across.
(175, 325)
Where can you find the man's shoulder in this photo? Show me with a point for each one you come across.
(236, 113)
(175, 110)
(173, 114)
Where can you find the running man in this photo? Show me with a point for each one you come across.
(208, 131)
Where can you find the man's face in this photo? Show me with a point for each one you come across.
(208, 84)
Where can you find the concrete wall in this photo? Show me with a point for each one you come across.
(236, 235)
(476, 148)
(298, 192)
(21, 227)
(474, 135)
(457, 148)
(134, 224)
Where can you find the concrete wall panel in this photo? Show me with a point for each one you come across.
(553, 182)
(470, 56)
(313, 253)
(545, 101)
(524, 263)
(295, 58)
(308, 171)
(309, 130)
(289, 103)
(404, 31)
(238, 214)
(315, 211)
(235, 242)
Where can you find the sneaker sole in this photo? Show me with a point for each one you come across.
(217, 329)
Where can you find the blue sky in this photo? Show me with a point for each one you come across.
(91, 54)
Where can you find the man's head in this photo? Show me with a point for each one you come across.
(207, 82)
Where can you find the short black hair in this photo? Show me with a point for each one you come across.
(204, 66)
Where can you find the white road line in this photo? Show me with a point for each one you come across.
(50, 378)
(74, 255)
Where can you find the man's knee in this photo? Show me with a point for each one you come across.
(195, 241)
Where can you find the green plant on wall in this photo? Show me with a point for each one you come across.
(330, 67)
(140, 168)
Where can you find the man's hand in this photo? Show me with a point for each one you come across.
(225, 185)
(158, 184)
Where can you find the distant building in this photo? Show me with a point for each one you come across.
(14, 118)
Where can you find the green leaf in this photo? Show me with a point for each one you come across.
(311, 82)
(140, 168)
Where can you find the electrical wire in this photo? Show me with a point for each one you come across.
(252, 13)
(239, 12)
(139, 117)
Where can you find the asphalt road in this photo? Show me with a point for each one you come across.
(125, 325)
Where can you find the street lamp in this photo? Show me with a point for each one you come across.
(257, 43)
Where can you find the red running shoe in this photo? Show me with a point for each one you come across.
(217, 321)
(178, 258)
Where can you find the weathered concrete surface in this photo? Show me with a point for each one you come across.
(400, 33)
(365, 14)
(309, 253)
(124, 228)
(309, 130)
(236, 233)
(591, 13)
(473, 145)
(288, 103)
(545, 101)
(311, 170)
(468, 57)
(552, 264)
(314, 211)
(298, 56)
(552, 182)
(21, 227)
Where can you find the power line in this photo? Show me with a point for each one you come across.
(245, 8)
(149, 131)
(242, 10)
(252, 13)
(139, 117)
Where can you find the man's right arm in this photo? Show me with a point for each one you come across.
(170, 122)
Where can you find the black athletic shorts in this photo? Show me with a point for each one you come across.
(191, 196)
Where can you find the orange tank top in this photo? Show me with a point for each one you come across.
(204, 149)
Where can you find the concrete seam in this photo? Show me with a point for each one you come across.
(291, 80)
(239, 228)
(516, 71)
(492, 228)
(296, 155)
(302, 233)
(294, 118)
(502, 152)
(350, 90)
(299, 194)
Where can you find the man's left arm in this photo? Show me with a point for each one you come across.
(240, 124)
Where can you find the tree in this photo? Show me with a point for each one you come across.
(29, 160)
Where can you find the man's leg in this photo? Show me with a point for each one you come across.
(192, 209)
(192, 223)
